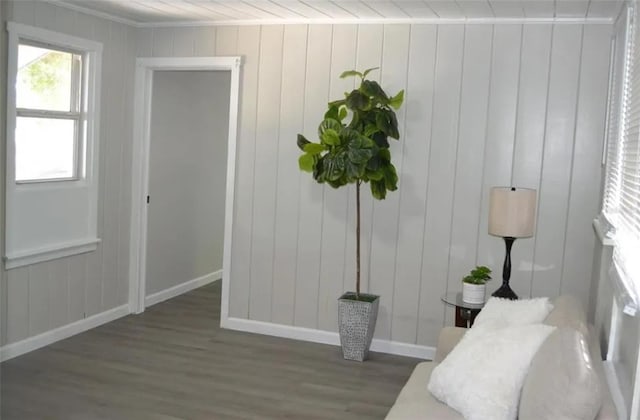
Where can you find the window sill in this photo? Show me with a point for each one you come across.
(37, 255)
(601, 229)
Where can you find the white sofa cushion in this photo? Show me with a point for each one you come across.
(502, 313)
(568, 312)
(562, 383)
(414, 402)
(483, 375)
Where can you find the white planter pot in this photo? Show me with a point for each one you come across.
(473, 293)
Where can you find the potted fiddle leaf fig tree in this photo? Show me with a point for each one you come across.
(353, 148)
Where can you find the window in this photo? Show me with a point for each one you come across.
(621, 203)
(53, 101)
(48, 113)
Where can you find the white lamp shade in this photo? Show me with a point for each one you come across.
(512, 212)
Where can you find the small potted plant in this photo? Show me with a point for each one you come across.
(474, 285)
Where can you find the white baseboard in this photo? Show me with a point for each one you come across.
(33, 343)
(615, 389)
(185, 287)
(325, 337)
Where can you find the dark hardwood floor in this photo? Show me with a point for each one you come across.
(174, 362)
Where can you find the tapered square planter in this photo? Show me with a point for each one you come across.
(356, 323)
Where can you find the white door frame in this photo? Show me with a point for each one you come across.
(145, 68)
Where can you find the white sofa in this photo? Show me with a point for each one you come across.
(571, 355)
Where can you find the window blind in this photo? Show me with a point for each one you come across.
(621, 200)
(618, 100)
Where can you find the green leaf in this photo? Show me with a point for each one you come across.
(367, 71)
(314, 148)
(318, 170)
(357, 100)
(394, 126)
(306, 162)
(381, 139)
(378, 190)
(374, 164)
(353, 171)
(329, 124)
(390, 177)
(334, 167)
(353, 139)
(385, 155)
(342, 114)
(397, 100)
(350, 73)
(331, 137)
(332, 113)
(373, 89)
(359, 156)
(302, 141)
(370, 130)
(387, 123)
(383, 123)
(338, 168)
(377, 175)
(336, 184)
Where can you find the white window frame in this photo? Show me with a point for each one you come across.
(610, 222)
(46, 220)
(75, 113)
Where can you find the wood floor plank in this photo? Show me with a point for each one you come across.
(174, 362)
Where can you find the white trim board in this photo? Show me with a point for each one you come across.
(324, 337)
(34, 256)
(21, 347)
(145, 68)
(182, 288)
(614, 387)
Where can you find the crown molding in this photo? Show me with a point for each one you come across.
(332, 21)
(378, 21)
(95, 13)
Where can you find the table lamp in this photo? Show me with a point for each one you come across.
(512, 214)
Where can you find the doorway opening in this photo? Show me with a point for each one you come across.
(148, 69)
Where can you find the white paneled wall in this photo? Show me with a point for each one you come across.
(485, 105)
(45, 296)
(3, 101)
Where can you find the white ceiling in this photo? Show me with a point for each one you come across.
(184, 12)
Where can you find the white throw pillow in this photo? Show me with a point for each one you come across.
(483, 375)
(502, 313)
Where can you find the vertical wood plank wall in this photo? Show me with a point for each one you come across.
(485, 105)
(3, 106)
(41, 297)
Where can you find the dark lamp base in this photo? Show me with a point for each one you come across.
(505, 292)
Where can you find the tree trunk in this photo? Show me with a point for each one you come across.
(358, 240)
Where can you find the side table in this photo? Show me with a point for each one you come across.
(465, 312)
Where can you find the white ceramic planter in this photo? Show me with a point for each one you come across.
(473, 293)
